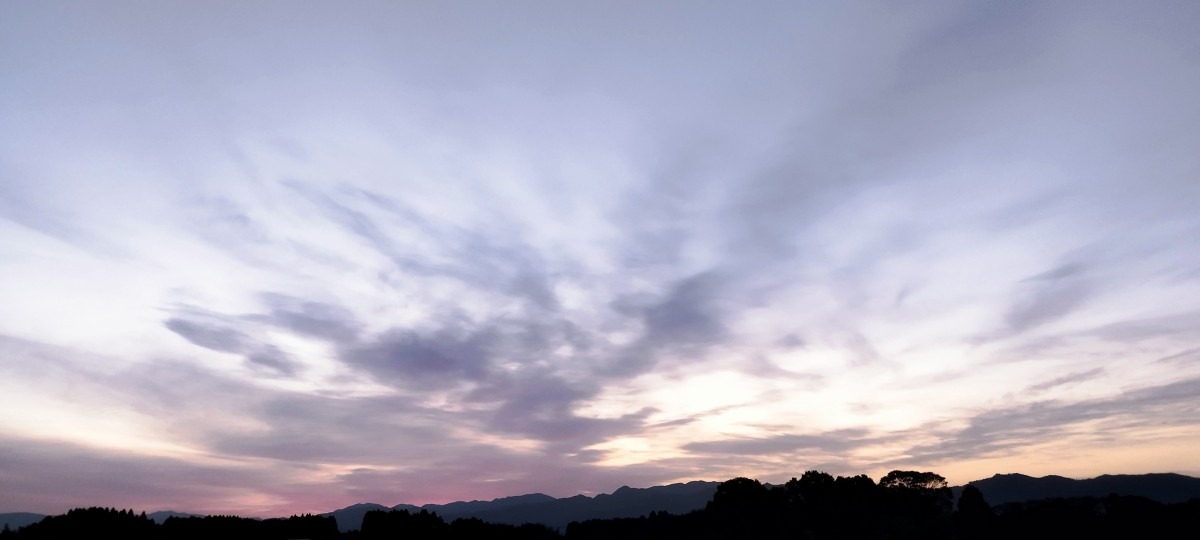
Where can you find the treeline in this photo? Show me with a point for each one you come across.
(816, 506)
(424, 524)
(95, 522)
(903, 505)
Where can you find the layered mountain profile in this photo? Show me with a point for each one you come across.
(350, 518)
(556, 513)
(1162, 487)
(682, 498)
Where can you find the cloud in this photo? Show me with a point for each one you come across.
(339, 430)
(309, 318)
(543, 406)
(500, 373)
(209, 336)
(1007, 430)
(1048, 296)
(833, 442)
(687, 314)
(1070, 378)
(1175, 325)
(681, 321)
(221, 338)
(410, 359)
(273, 359)
(488, 257)
(56, 476)
(1181, 356)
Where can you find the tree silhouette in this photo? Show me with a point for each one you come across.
(975, 518)
(743, 507)
(924, 481)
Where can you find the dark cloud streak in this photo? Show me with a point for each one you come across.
(221, 338)
(1048, 296)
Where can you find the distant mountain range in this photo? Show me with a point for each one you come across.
(16, 520)
(1162, 487)
(683, 498)
(557, 513)
(162, 515)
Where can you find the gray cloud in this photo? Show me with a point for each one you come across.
(272, 359)
(443, 358)
(318, 429)
(309, 318)
(836, 442)
(209, 336)
(356, 222)
(16, 206)
(683, 320)
(543, 406)
(687, 314)
(1070, 378)
(531, 400)
(229, 226)
(1144, 331)
(1048, 296)
(1007, 430)
(221, 338)
(1175, 325)
(55, 476)
(492, 258)
(1181, 356)
(983, 37)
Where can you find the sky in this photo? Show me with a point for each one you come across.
(267, 258)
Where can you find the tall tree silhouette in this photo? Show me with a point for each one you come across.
(974, 518)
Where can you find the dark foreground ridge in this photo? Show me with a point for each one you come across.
(903, 504)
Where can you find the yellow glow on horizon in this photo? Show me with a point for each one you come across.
(624, 451)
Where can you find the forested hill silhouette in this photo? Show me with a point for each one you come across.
(1161, 487)
(16, 520)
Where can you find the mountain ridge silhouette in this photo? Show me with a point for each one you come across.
(681, 498)
(1015, 487)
